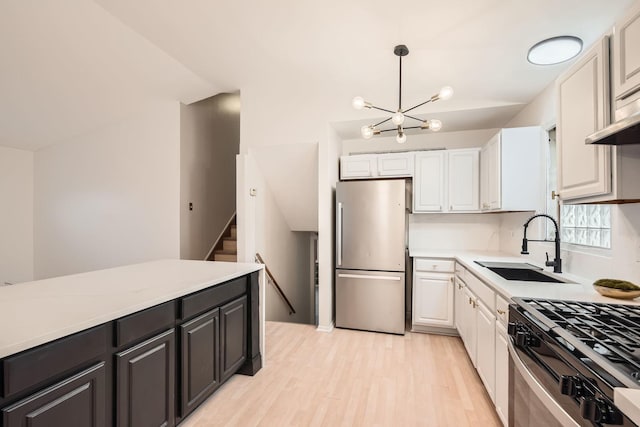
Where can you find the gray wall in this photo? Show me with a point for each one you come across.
(209, 143)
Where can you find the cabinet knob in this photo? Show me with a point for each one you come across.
(501, 312)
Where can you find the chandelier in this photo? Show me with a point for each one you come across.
(398, 117)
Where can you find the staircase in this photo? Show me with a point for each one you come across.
(227, 247)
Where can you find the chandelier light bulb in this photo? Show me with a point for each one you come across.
(435, 125)
(445, 93)
(398, 118)
(358, 103)
(366, 131)
(401, 138)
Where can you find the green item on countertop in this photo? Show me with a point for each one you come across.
(617, 284)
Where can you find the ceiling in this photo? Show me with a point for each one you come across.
(73, 66)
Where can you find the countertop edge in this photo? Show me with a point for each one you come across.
(628, 401)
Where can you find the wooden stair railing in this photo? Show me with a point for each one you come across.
(273, 281)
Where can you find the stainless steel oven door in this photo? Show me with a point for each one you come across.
(530, 405)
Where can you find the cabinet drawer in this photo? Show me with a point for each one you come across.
(502, 310)
(482, 291)
(437, 265)
(50, 360)
(215, 296)
(145, 323)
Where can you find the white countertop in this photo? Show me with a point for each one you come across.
(37, 312)
(627, 400)
(580, 290)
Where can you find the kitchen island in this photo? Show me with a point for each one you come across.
(144, 343)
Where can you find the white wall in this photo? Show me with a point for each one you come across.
(329, 151)
(110, 197)
(209, 143)
(263, 229)
(479, 232)
(16, 215)
(423, 141)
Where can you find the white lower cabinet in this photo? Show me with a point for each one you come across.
(433, 295)
(469, 309)
(481, 319)
(433, 300)
(486, 350)
(502, 373)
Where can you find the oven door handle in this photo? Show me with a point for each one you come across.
(537, 388)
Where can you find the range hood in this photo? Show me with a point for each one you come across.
(625, 131)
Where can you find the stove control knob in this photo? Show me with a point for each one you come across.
(512, 327)
(526, 339)
(599, 411)
(571, 386)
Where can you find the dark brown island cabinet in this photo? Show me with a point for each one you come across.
(151, 368)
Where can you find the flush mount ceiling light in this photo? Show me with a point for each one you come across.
(554, 50)
(398, 117)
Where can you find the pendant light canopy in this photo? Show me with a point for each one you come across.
(400, 116)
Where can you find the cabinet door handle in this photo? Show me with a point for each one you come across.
(501, 312)
(460, 286)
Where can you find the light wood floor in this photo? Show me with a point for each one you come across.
(351, 378)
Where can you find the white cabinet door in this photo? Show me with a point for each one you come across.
(626, 56)
(470, 308)
(428, 182)
(459, 307)
(490, 171)
(433, 300)
(359, 166)
(486, 351)
(484, 177)
(395, 164)
(494, 173)
(502, 373)
(464, 180)
(583, 108)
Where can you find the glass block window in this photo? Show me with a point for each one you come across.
(588, 225)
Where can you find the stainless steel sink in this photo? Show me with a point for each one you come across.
(521, 272)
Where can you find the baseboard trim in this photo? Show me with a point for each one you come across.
(329, 328)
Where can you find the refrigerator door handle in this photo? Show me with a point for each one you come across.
(364, 276)
(339, 226)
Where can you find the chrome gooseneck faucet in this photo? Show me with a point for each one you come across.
(557, 262)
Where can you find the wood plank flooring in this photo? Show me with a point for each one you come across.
(352, 378)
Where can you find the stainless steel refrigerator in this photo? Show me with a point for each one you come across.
(370, 255)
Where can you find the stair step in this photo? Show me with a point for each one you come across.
(234, 231)
(224, 256)
(229, 244)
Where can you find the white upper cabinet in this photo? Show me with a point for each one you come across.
(626, 58)
(446, 181)
(429, 182)
(511, 170)
(464, 175)
(583, 108)
(367, 166)
(395, 164)
(358, 167)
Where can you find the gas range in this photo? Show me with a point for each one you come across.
(582, 351)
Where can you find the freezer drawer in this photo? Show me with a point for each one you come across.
(370, 300)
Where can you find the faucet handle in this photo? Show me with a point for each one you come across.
(549, 263)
